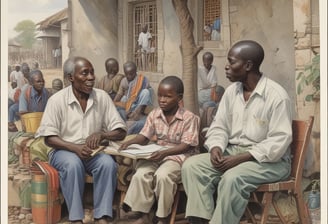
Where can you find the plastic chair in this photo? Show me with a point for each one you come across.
(299, 146)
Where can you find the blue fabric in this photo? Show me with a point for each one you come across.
(31, 104)
(216, 24)
(136, 127)
(72, 172)
(13, 113)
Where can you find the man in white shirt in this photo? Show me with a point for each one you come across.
(248, 142)
(76, 120)
(17, 76)
(206, 79)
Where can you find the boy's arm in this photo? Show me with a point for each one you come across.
(139, 139)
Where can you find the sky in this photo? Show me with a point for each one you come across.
(35, 10)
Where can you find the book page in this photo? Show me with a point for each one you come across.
(135, 151)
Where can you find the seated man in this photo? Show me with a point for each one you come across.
(110, 82)
(133, 96)
(219, 90)
(76, 120)
(34, 97)
(247, 142)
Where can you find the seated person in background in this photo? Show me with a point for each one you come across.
(156, 178)
(13, 91)
(247, 142)
(206, 79)
(34, 97)
(56, 85)
(14, 109)
(110, 82)
(133, 96)
(215, 100)
(76, 120)
(13, 99)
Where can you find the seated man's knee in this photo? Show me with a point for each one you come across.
(107, 162)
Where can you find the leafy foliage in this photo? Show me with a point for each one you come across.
(26, 33)
(310, 76)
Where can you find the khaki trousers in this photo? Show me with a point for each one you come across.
(153, 182)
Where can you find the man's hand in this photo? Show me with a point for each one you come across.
(216, 156)
(223, 163)
(93, 141)
(83, 151)
(134, 116)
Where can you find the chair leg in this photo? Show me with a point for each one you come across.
(120, 203)
(280, 215)
(266, 202)
(175, 207)
(249, 214)
(302, 213)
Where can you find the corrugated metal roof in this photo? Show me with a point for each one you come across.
(52, 20)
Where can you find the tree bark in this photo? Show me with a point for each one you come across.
(189, 52)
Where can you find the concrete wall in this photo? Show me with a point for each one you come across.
(64, 40)
(94, 31)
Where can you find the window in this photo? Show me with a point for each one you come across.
(212, 20)
(145, 36)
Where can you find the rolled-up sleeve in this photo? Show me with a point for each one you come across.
(50, 122)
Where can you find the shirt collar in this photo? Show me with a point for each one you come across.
(259, 89)
(72, 98)
(178, 115)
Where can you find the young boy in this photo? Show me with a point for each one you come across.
(156, 178)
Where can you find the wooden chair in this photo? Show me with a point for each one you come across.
(299, 146)
(177, 218)
(301, 137)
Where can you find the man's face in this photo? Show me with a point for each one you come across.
(83, 79)
(130, 73)
(38, 82)
(207, 61)
(112, 67)
(236, 67)
(26, 71)
(17, 68)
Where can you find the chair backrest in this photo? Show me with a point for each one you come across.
(301, 137)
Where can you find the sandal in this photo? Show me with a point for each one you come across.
(12, 127)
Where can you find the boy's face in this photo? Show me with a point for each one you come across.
(168, 99)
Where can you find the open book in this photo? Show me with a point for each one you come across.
(135, 151)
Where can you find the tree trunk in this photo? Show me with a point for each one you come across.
(189, 52)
